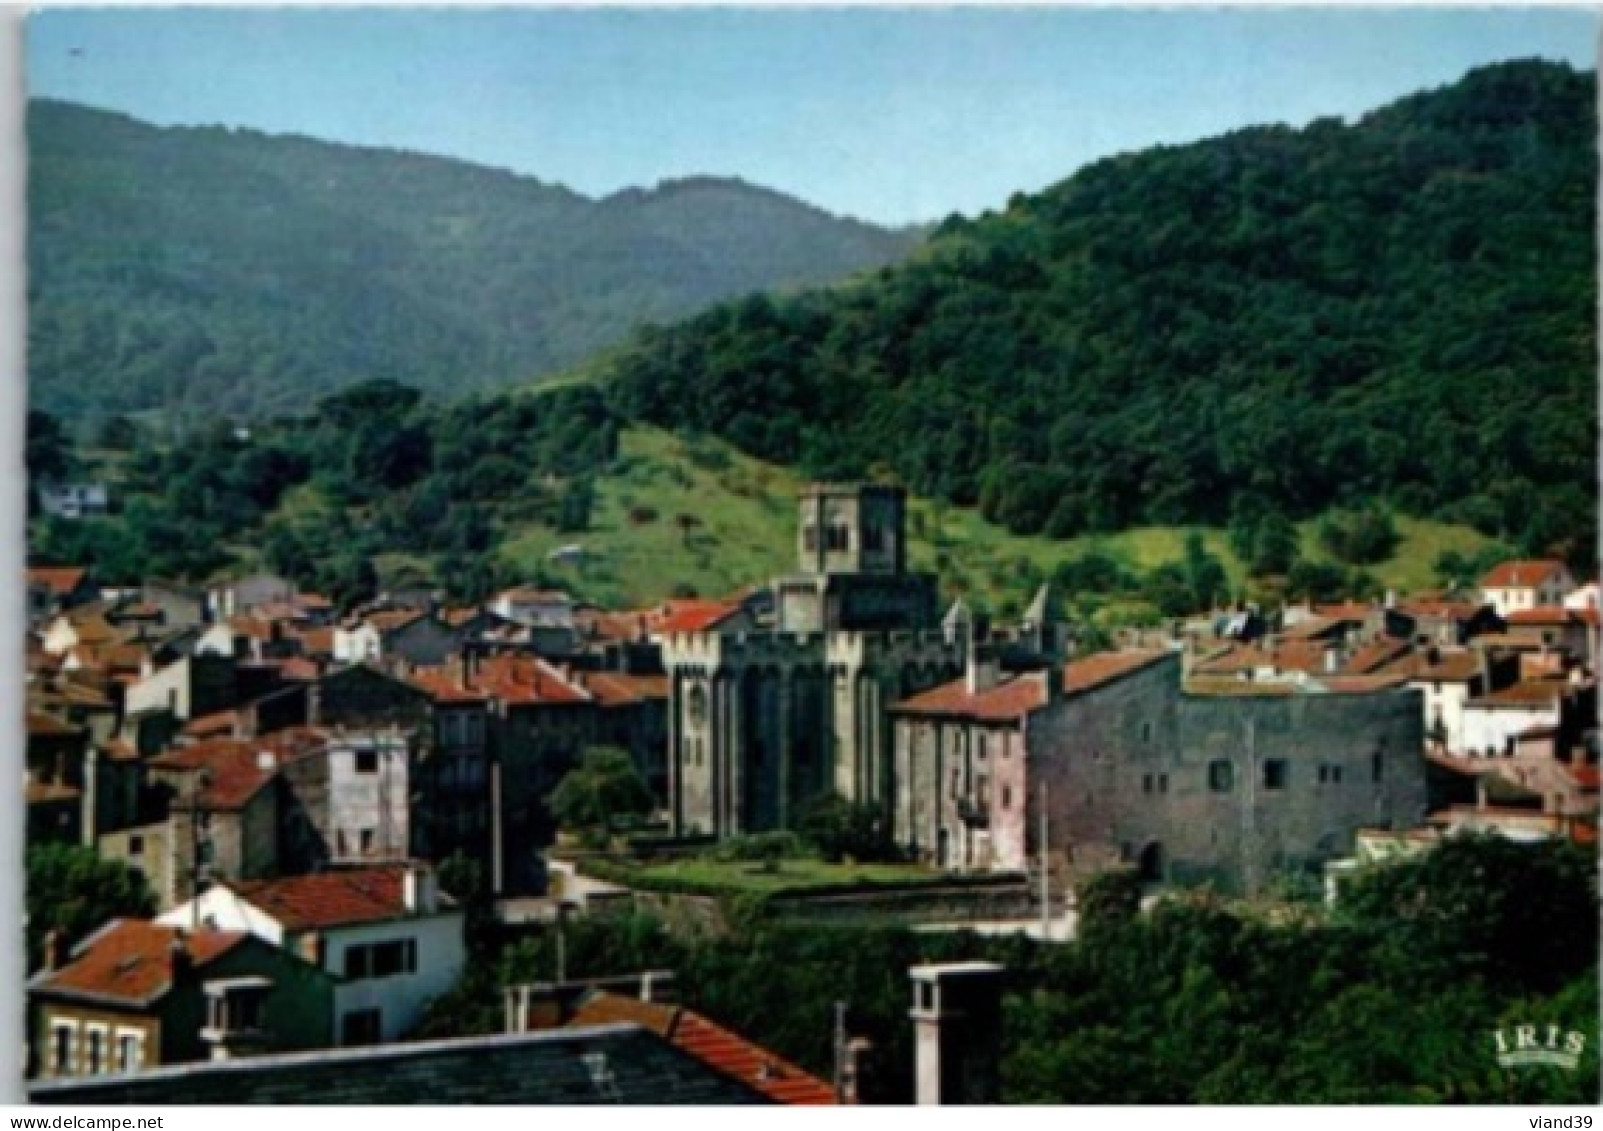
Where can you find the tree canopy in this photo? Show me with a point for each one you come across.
(1318, 317)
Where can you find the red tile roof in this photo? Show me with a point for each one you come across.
(695, 616)
(1521, 574)
(318, 641)
(391, 620)
(1435, 607)
(1361, 684)
(616, 689)
(446, 686)
(131, 961)
(1450, 667)
(1376, 655)
(300, 668)
(60, 580)
(236, 767)
(521, 680)
(1527, 693)
(620, 626)
(219, 724)
(1585, 776)
(1015, 696)
(328, 899)
(712, 1044)
(253, 627)
(1345, 611)
(1553, 614)
(120, 750)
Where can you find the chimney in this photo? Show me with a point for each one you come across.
(178, 958)
(852, 1070)
(52, 955)
(957, 1024)
(418, 890)
(310, 947)
(1055, 681)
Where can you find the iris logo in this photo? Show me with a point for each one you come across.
(1531, 1044)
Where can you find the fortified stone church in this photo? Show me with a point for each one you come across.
(769, 713)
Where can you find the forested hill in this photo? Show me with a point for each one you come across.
(230, 271)
(1399, 308)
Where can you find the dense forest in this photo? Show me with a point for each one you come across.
(1276, 321)
(228, 271)
(1393, 997)
(375, 469)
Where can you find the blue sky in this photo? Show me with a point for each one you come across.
(893, 115)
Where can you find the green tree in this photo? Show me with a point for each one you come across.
(603, 791)
(839, 830)
(72, 891)
(118, 434)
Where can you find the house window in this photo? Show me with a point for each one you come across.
(1275, 773)
(1163, 783)
(236, 1009)
(957, 784)
(1146, 783)
(361, 1027)
(367, 841)
(1007, 797)
(1146, 732)
(367, 761)
(62, 1034)
(982, 789)
(837, 538)
(1221, 776)
(1335, 775)
(130, 1050)
(380, 960)
(810, 538)
(136, 846)
(94, 1050)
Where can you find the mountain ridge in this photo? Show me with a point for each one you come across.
(241, 273)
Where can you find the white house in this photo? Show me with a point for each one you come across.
(1448, 679)
(388, 935)
(1492, 724)
(1513, 586)
(1586, 597)
(240, 596)
(74, 500)
(526, 605)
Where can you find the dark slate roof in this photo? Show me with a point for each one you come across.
(618, 1064)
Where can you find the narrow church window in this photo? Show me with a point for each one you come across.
(1221, 776)
(1377, 766)
(1146, 732)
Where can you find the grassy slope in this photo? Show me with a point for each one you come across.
(748, 529)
